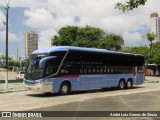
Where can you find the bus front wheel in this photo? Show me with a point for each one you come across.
(121, 84)
(65, 88)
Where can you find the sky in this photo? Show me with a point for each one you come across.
(46, 17)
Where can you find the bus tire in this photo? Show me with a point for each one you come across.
(121, 84)
(129, 84)
(65, 88)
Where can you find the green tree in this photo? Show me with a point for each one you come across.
(67, 35)
(151, 37)
(78, 36)
(16, 63)
(155, 58)
(87, 37)
(10, 59)
(130, 5)
(3, 58)
(112, 42)
(144, 50)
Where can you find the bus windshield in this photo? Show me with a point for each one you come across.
(33, 71)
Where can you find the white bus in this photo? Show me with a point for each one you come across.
(64, 69)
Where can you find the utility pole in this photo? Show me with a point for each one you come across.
(7, 9)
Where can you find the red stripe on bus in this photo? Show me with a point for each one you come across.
(69, 76)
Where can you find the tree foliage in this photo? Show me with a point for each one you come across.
(151, 53)
(152, 58)
(151, 37)
(111, 42)
(130, 5)
(67, 35)
(155, 58)
(138, 50)
(87, 37)
(16, 63)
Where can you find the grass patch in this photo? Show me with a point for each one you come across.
(11, 81)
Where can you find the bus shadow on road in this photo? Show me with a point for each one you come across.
(80, 92)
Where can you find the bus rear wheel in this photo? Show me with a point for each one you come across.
(65, 88)
(129, 84)
(121, 84)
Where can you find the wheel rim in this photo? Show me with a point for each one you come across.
(129, 84)
(121, 84)
(64, 88)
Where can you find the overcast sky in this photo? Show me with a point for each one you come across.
(46, 17)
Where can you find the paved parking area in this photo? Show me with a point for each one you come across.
(147, 101)
(144, 97)
(153, 78)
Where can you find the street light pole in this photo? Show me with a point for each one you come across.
(7, 8)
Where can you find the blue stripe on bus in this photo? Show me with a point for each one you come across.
(96, 81)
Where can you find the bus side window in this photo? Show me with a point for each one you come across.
(51, 67)
(48, 70)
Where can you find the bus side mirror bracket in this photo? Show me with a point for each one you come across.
(42, 61)
(21, 62)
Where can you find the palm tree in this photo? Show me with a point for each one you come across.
(151, 37)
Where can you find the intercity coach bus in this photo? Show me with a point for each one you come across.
(64, 69)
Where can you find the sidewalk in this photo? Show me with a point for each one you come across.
(11, 75)
(12, 87)
(152, 79)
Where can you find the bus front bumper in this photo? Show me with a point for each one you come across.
(39, 87)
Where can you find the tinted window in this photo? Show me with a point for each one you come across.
(107, 59)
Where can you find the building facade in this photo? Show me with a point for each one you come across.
(155, 26)
(31, 43)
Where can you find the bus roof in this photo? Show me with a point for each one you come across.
(67, 48)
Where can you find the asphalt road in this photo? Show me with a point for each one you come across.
(145, 97)
(147, 101)
(27, 100)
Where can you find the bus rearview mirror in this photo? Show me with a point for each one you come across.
(42, 61)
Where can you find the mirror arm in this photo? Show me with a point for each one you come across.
(21, 62)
